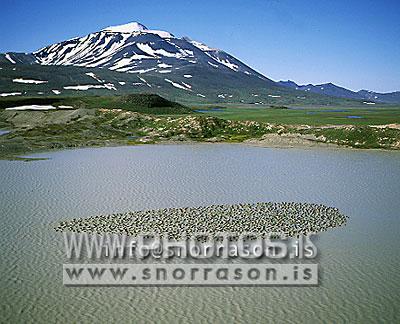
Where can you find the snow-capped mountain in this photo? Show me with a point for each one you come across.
(132, 48)
(132, 58)
(140, 58)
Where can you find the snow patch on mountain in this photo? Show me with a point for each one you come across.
(126, 28)
(135, 27)
(228, 64)
(164, 66)
(142, 71)
(8, 57)
(145, 82)
(146, 48)
(10, 94)
(29, 81)
(32, 107)
(177, 85)
(187, 85)
(201, 46)
(109, 86)
(94, 76)
(225, 62)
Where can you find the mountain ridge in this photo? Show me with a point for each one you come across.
(332, 89)
(139, 59)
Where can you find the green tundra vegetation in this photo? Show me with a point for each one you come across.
(147, 118)
(308, 115)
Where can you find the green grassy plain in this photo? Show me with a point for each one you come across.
(145, 118)
(309, 115)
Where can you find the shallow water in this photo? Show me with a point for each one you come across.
(360, 281)
(325, 111)
(354, 117)
(209, 110)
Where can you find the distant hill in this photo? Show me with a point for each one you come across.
(143, 103)
(331, 89)
(389, 97)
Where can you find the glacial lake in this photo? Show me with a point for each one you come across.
(359, 263)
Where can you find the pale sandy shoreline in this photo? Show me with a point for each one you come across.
(261, 144)
(289, 141)
(303, 145)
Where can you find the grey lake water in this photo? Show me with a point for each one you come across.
(360, 278)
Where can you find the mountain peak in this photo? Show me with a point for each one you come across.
(136, 27)
(126, 28)
(289, 83)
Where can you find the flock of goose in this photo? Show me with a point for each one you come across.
(289, 218)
